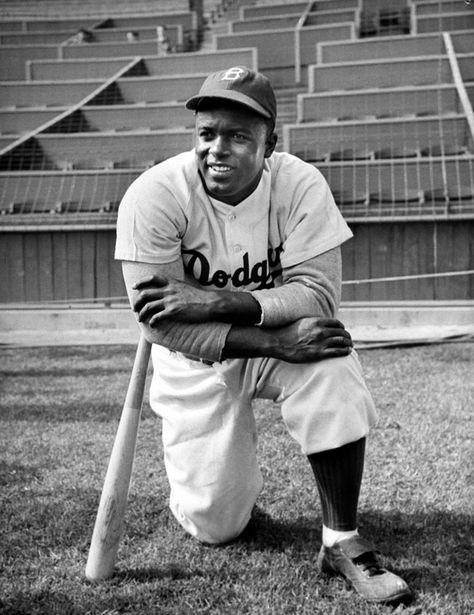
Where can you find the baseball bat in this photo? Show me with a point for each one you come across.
(113, 500)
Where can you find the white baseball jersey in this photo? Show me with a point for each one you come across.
(289, 218)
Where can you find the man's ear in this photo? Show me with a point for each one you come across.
(270, 144)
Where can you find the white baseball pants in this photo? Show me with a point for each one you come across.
(209, 432)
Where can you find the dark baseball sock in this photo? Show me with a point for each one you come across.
(338, 474)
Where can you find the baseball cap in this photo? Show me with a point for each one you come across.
(241, 85)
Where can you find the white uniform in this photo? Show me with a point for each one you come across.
(209, 431)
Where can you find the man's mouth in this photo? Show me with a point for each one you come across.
(219, 169)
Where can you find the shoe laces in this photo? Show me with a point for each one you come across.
(369, 564)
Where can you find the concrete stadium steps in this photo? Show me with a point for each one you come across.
(401, 101)
(319, 141)
(432, 7)
(6, 140)
(277, 48)
(263, 23)
(99, 150)
(127, 109)
(16, 121)
(58, 94)
(184, 32)
(138, 116)
(291, 20)
(393, 47)
(445, 21)
(272, 9)
(23, 94)
(157, 89)
(100, 35)
(172, 64)
(397, 72)
(35, 38)
(51, 9)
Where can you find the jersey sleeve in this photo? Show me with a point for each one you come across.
(314, 223)
(150, 222)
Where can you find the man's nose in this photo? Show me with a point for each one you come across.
(220, 146)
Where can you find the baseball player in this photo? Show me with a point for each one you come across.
(231, 259)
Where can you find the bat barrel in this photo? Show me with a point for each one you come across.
(113, 501)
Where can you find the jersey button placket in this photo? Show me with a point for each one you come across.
(235, 247)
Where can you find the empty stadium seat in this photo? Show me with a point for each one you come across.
(97, 150)
(411, 133)
(391, 47)
(445, 22)
(386, 102)
(88, 190)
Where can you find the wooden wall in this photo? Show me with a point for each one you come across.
(389, 249)
(51, 265)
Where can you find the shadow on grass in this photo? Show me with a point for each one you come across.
(65, 384)
(12, 474)
(432, 550)
(146, 574)
(43, 602)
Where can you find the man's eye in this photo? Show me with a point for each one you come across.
(238, 136)
(206, 134)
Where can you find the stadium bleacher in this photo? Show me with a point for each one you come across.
(378, 97)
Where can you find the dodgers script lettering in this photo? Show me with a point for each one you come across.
(262, 273)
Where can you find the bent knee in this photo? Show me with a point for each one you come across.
(339, 371)
(215, 520)
(212, 527)
(219, 535)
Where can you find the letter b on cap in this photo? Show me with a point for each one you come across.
(233, 73)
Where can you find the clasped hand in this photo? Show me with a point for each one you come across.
(312, 339)
(158, 297)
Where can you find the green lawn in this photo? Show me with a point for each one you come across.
(59, 411)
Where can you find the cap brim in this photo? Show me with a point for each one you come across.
(238, 97)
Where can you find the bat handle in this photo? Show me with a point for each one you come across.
(113, 501)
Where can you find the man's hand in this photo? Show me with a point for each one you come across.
(158, 297)
(312, 339)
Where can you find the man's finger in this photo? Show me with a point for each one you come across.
(341, 341)
(330, 322)
(149, 310)
(145, 297)
(335, 333)
(337, 351)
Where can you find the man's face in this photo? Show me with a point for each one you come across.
(231, 147)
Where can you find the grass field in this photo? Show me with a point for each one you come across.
(59, 412)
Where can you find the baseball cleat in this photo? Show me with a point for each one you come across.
(355, 559)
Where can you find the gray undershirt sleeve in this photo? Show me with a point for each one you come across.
(309, 289)
(199, 341)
